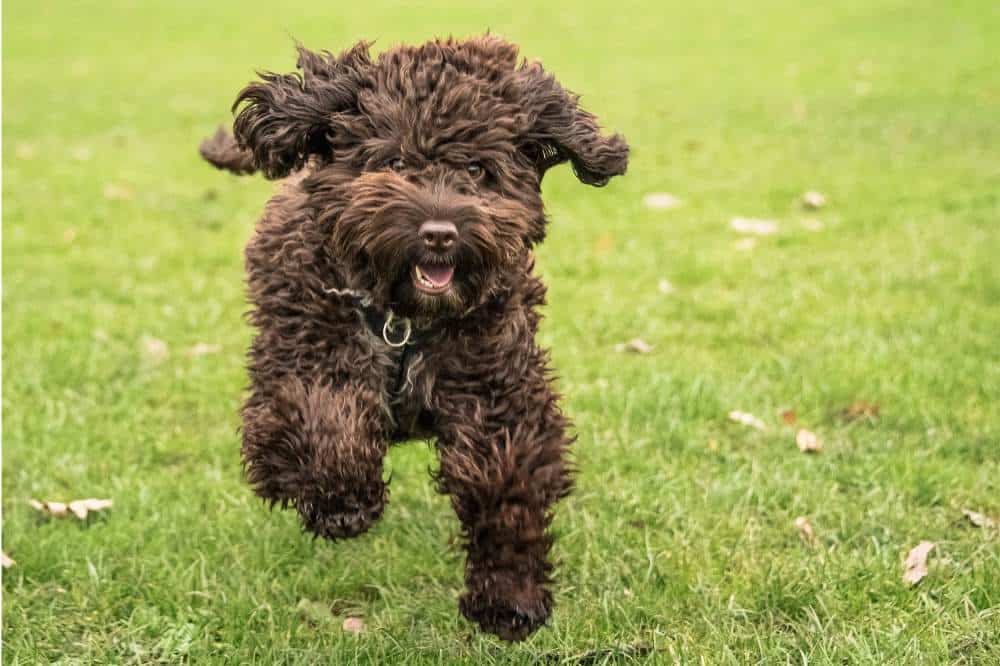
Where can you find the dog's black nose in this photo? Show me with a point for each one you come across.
(438, 235)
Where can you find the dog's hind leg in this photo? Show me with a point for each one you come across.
(320, 449)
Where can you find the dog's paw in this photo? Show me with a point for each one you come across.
(509, 608)
(336, 517)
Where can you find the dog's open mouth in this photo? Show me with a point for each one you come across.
(433, 278)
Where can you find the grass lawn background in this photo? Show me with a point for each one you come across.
(679, 542)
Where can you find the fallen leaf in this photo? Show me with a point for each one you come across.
(6, 561)
(805, 529)
(808, 441)
(155, 348)
(665, 287)
(354, 625)
(916, 563)
(79, 508)
(117, 192)
(979, 519)
(54, 508)
(203, 348)
(661, 201)
(747, 225)
(747, 419)
(789, 417)
(745, 244)
(812, 224)
(604, 244)
(635, 345)
(24, 151)
(800, 110)
(860, 409)
(813, 200)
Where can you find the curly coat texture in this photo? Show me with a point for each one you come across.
(458, 133)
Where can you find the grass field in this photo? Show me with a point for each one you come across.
(679, 543)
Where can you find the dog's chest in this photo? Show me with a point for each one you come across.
(407, 395)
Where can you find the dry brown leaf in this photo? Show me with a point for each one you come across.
(661, 201)
(800, 110)
(79, 508)
(115, 192)
(57, 509)
(604, 244)
(916, 563)
(805, 529)
(635, 345)
(745, 244)
(813, 200)
(979, 519)
(354, 625)
(203, 348)
(24, 151)
(156, 349)
(789, 417)
(808, 441)
(747, 419)
(6, 561)
(860, 409)
(665, 287)
(748, 225)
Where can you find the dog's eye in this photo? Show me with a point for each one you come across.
(397, 164)
(476, 171)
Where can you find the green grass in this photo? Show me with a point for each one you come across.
(679, 543)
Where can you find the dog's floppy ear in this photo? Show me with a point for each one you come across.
(283, 119)
(561, 131)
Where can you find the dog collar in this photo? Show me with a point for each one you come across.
(394, 330)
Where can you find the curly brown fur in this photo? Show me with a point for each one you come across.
(415, 192)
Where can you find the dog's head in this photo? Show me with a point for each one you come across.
(425, 162)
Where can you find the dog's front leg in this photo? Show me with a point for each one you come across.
(319, 448)
(503, 464)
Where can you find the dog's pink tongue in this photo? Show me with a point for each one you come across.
(438, 274)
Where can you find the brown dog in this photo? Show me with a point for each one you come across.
(393, 295)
